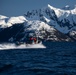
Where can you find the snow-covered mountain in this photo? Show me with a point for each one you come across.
(49, 22)
(62, 20)
(7, 22)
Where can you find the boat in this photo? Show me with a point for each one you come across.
(29, 41)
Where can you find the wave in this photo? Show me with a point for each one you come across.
(22, 46)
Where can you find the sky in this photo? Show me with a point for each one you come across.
(19, 7)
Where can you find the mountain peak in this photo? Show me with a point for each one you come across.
(3, 17)
(68, 7)
(51, 7)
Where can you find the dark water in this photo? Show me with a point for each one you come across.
(56, 59)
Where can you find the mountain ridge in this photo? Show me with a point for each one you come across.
(53, 23)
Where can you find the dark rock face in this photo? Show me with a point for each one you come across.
(7, 33)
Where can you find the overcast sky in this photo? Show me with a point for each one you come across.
(19, 7)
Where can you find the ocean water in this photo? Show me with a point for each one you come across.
(59, 58)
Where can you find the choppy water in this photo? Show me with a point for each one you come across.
(57, 59)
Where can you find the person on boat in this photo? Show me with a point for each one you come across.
(33, 40)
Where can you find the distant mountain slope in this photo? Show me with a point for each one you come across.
(48, 23)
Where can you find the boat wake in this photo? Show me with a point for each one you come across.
(22, 46)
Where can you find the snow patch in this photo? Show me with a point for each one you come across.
(15, 20)
(72, 33)
(11, 21)
(37, 25)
